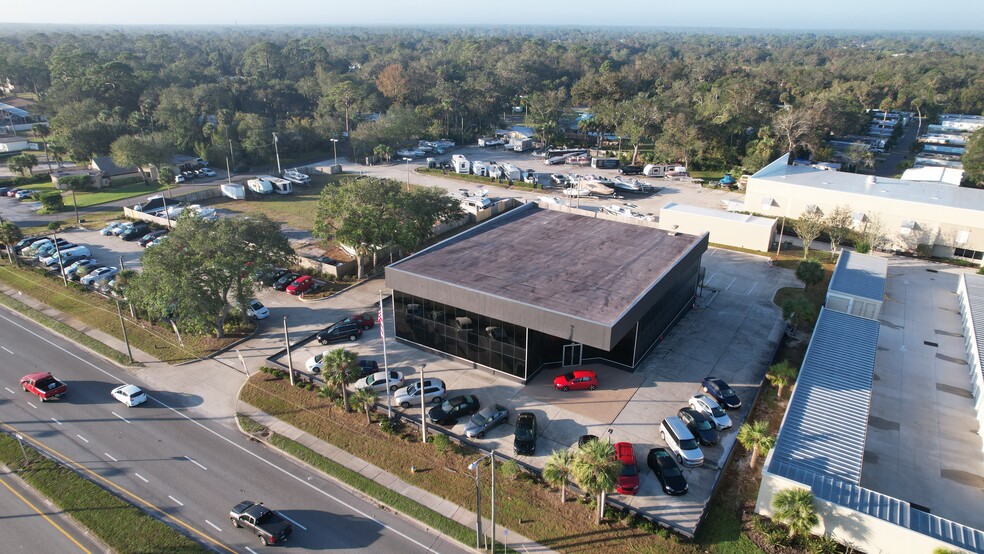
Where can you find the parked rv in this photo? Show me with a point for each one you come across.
(604, 163)
(281, 186)
(664, 170)
(461, 164)
(260, 185)
(296, 177)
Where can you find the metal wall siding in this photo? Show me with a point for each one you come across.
(860, 275)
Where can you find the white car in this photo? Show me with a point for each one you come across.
(207, 172)
(110, 227)
(434, 391)
(378, 381)
(123, 227)
(131, 395)
(101, 274)
(710, 408)
(315, 363)
(257, 310)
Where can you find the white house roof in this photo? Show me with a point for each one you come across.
(718, 214)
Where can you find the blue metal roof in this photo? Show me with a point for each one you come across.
(882, 506)
(13, 111)
(860, 275)
(974, 284)
(827, 419)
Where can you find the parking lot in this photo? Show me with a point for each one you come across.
(731, 334)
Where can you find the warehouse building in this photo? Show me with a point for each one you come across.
(545, 287)
(947, 219)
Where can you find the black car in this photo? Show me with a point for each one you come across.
(25, 243)
(150, 237)
(720, 391)
(451, 409)
(135, 232)
(3, 190)
(270, 276)
(340, 332)
(368, 367)
(630, 170)
(702, 429)
(525, 441)
(67, 262)
(285, 280)
(667, 471)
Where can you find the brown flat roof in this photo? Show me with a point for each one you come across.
(585, 267)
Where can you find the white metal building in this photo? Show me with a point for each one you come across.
(858, 285)
(730, 229)
(949, 219)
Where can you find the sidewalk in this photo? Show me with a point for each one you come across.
(211, 387)
(432, 501)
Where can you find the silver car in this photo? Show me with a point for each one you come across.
(378, 381)
(710, 408)
(484, 420)
(410, 395)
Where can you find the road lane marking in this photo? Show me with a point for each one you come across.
(292, 521)
(83, 438)
(176, 501)
(46, 518)
(31, 404)
(110, 457)
(196, 463)
(214, 526)
(56, 421)
(229, 441)
(121, 417)
(10, 391)
(141, 478)
(7, 349)
(250, 550)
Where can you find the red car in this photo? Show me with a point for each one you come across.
(365, 320)
(580, 379)
(300, 285)
(628, 478)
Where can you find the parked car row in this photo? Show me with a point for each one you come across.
(19, 194)
(186, 176)
(700, 422)
(290, 282)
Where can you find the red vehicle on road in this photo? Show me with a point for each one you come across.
(628, 478)
(576, 380)
(44, 385)
(300, 285)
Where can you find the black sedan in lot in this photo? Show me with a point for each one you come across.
(150, 237)
(525, 441)
(285, 280)
(720, 391)
(453, 408)
(667, 471)
(133, 233)
(268, 278)
(702, 429)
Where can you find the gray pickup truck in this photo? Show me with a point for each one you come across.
(268, 525)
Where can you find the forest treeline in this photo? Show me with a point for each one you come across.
(708, 100)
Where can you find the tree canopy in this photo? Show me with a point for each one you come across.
(205, 268)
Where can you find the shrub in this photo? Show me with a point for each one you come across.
(862, 247)
(51, 201)
(391, 426)
(510, 469)
(441, 443)
(822, 545)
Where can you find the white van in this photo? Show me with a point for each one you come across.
(681, 441)
(73, 252)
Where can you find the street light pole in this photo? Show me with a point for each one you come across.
(408, 160)
(423, 405)
(277, 152)
(334, 147)
(478, 495)
(290, 361)
(382, 335)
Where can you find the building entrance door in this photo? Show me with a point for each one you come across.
(572, 355)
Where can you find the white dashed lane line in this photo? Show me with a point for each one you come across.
(7, 349)
(85, 440)
(196, 463)
(31, 404)
(110, 457)
(10, 391)
(217, 528)
(176, 501)
(56, 421)
(121, 417)
(142, 478)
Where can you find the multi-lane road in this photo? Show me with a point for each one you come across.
(186, 469)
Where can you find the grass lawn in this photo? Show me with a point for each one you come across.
(295, 210)
(100, 313)
(543, 518)
(119, 524)
(111, 194)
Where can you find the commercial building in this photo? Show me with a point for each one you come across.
(730, 229)
(971, 296)
(877, 425)
(539, 287)
(947, 219)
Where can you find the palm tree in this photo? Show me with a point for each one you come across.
(340, 369)
(810, 272)
(365, 399)
(795, 508)
(755, 436)
(10, 233)
(780, 375)
(596, 470)
(557, 471)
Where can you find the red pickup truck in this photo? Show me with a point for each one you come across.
(44, 385)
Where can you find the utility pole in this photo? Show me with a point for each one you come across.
(423, 405)
(231, 155)
(277, 152)
(126, 339)
(290, 361)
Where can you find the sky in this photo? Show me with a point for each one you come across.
(863, 15)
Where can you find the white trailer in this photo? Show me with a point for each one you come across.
(461, 164)
(296, 177)
(234, 191)
(260, 184)
(510, 171)
(480, 168)
(664, 170)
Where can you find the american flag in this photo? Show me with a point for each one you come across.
(382, 331)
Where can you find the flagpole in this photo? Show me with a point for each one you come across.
(382, 335)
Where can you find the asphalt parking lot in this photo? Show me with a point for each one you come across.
(731, 334)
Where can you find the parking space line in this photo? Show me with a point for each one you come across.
(7, 349)
(749, 293)
(733, 279)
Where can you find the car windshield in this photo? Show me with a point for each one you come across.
(671, 470)
(629, 471)
(478, 419)
(716, 411)
(569, 376)
(688, 444)
(702, 424)
(726, 391)
(256, 305)
(524, 433)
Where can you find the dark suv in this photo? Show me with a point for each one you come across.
(340, 332)
(133, 233)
